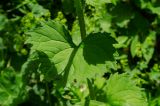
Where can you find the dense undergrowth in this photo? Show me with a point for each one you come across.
(79, 53)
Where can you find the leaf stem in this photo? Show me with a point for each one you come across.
(79, 10)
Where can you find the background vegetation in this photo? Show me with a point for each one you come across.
(129, 77)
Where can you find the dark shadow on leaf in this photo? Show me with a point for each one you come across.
(98, 48)
(39, 64)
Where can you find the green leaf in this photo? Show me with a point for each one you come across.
(118, 90)
(11, 87)
(123, 41)
(135, 46)
(92, 103)
(53, 34)
(153, 6)
(155, 101)
(38, 10)
(97, 3)
(148, 46)
(73, 63)
(1, 44)
(114, 1)
(122, 91)
(53, 40)
(99, 19)
(3, 21)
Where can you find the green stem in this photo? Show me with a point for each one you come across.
(48, 95)
(79, 10)
(91, 89)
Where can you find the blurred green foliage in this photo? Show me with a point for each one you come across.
(29, 76)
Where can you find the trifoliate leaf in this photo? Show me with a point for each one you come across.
(73, 63)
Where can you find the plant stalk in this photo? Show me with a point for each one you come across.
(48, 95)
(79, 11)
